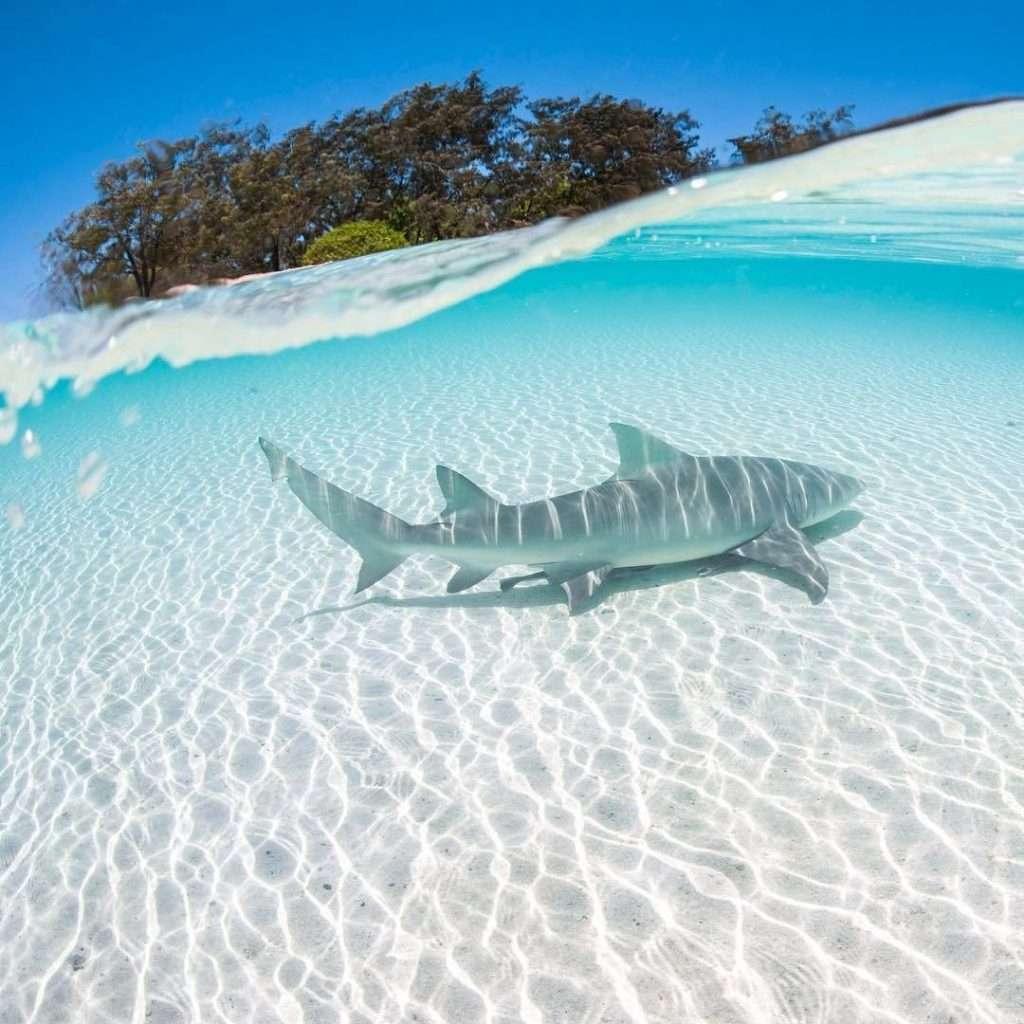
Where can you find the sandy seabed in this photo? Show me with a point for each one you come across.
(708, 801)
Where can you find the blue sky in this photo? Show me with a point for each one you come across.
(85, 81)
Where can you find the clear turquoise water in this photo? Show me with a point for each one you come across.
(708, 800)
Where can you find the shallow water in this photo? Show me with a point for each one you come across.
(708, 800)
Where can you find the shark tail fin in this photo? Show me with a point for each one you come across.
(276, 459)
(374, 533)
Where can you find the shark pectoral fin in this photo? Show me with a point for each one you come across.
(786, 547)
(460, 492)
(581, 590)
(467, 576)
(580, 581)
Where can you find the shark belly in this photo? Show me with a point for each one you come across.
(675, 550)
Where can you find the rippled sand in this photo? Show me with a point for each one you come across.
(708, 801)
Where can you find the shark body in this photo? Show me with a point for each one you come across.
(661, 506)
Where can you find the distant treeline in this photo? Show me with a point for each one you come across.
(436, 161)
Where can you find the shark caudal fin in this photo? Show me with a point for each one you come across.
(276, 459)
(374, 533)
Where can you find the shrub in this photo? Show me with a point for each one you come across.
(356, 238)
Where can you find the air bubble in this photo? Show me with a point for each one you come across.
(698, 182)
(8, 425)
(130, 416)
(30, 446)
(777, 197)
(91, 472)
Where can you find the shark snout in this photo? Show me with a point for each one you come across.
(851, 487)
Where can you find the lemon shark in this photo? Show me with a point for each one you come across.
(661, 506)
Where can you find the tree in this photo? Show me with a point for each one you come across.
(776, 134)
(357, 238)
(212, 246)
(253, 204)
(583, 156)
(425, 159)
(124, 240)
(65, 282)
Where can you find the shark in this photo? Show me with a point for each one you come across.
(662, 506)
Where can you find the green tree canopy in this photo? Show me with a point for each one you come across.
(120, 243)
(435, 161)
(427, 158)
(357, 238)
(582, 156)
(777, 134)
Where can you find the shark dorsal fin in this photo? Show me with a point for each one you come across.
(460, 492)
(638, 450)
